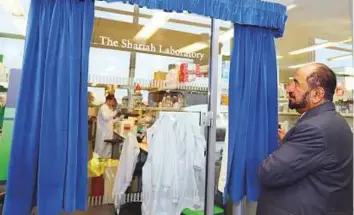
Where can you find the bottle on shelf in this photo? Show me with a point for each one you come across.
(168, 102)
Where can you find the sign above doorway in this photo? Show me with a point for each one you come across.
(153, 48)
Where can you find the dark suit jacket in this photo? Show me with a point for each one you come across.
(312, 171)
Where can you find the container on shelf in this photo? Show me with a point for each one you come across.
(160, 76)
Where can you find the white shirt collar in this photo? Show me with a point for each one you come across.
(302, 115)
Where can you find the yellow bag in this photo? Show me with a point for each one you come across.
(96, 166)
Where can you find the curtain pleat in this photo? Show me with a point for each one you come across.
(48, 163)
(244, 12)
(253, 109)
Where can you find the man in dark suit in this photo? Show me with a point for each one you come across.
(312, 172)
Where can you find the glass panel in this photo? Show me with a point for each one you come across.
(157, 67)
(104, 62)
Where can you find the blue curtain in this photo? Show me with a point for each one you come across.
(253, 112)
(245, 12)
(48, 163)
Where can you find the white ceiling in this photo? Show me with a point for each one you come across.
(325, 19)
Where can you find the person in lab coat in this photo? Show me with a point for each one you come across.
(107, 115)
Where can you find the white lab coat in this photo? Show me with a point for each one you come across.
(173, 175)
(104, 131)
(127, 162)
(223, 169)
(160, 169)
(191, 166)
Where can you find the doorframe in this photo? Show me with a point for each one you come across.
(212, 110)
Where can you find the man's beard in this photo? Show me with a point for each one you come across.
(302, 104)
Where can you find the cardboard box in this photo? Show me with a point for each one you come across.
(160, 76)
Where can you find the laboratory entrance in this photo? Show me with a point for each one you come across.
(151, 131)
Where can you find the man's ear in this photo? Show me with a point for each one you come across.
(317, 95)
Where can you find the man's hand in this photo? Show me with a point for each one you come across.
(281, 134)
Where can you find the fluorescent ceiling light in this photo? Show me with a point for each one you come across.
(299, 65)
(194, 47)
(317, 46)
(13, 7)
(185, 16)
(156, 22)
(280, 57)
(342, 57)
(312, 48)
(345, 41)
(226, 36)
(291, 6)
